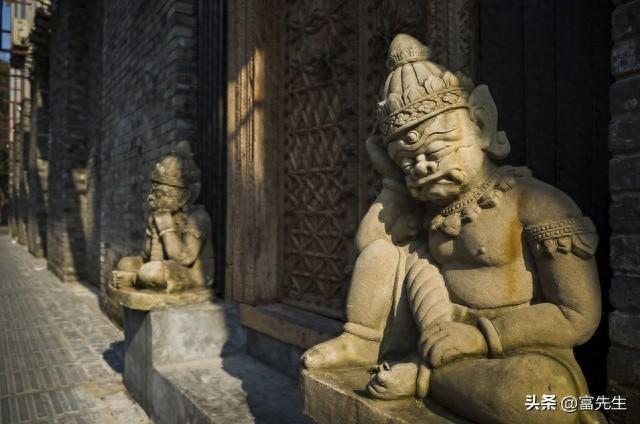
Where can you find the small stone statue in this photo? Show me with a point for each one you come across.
(178, 253)
(474, 281)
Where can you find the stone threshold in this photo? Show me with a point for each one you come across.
(288, 324)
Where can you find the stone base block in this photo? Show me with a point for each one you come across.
(176, 336)
(337, 396)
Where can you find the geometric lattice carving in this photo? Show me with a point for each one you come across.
(334, 54)
(320, 167)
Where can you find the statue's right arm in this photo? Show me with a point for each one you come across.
(393, 216)
(147, 238)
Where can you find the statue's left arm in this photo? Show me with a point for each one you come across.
(563, 243)
(184, 249)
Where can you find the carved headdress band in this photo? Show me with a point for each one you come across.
(417, 89)
(177, 169)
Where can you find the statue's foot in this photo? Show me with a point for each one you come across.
(122, 279)
(393, 381)
(342, 351)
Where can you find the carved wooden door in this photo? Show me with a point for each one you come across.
(333, 66)
(303, 83)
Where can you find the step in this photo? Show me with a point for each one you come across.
(235, 389)
(337, 396)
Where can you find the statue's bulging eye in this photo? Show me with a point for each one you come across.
(413, 136)
(406, 164)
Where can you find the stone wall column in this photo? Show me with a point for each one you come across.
(624, 144)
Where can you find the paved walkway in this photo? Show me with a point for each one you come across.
(60, 357)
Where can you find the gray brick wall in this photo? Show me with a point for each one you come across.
(39, 139)
(66, 238)
(91, 221)
(624, 144)
(149, 69)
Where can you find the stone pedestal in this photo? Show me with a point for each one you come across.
(337, 396)
(164, 339)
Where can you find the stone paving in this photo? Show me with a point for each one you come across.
(60, 357)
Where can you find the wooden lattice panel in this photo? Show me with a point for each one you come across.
(320, 135)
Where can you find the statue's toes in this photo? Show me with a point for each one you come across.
(312, 358)
(388, 384)
(377, 389)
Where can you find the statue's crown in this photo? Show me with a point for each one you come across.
(416, 88)
(178, 168)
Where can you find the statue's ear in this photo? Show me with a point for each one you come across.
(484, 113)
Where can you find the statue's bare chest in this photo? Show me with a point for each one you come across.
(494, 238)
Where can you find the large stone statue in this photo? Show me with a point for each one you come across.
(473, 281)
(178, 253)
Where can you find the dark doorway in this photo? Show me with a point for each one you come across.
(547, 65)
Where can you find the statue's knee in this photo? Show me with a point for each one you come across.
(379, 253)
(548, 376)
(151, 274)
(130, 263)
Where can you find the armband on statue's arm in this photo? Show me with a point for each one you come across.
(569, 235)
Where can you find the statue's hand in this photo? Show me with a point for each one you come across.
(447, 341)
(163, 220)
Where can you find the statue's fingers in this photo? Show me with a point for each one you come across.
(430, 331)
(450, 355)
(436, 354)
(430, 344)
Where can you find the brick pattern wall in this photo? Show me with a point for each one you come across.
(91, 219)
(624, 144)
(66, 239)
(39, 140)
(149, 69)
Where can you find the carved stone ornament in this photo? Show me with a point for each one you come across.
(176, 267)
(482, 305)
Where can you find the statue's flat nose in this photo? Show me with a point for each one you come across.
(424, 167)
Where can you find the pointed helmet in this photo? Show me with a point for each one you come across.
(416, 88)
(178, 168)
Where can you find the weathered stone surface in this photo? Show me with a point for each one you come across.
(187, 365)
(625, 292)
(625, 20)
(176, 336)
(246, 391)
(337, 397)
(146, 300)
(277, 354)
(623, 131)
(624, 213)
(623, 366)
(624, 329)
(622, 173)
(632, 414)
(625, 95)
(234, 389)
(625, 57)
(625, 252)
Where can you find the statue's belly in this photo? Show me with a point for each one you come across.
(488, 287)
